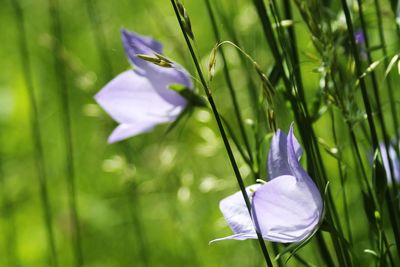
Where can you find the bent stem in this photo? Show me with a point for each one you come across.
(222, 131)
(229, 82)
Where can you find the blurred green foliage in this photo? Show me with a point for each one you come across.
(151, 200)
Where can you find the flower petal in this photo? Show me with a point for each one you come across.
(284, 210)
(139, 44)
(277, 156)
(124, 131)
(161, 77)
(237, 215)
(299, 173)
(245, 236)
(131, 97)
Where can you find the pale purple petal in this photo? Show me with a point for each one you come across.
(277, 157)
(161, 77)
(139, 44)
(244, 236)
(130, 97)
(284, 210)
(299, 173)
(237, 215)
(395, 163)
(167, 76)
(124, 131)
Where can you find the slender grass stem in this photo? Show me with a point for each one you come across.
(391, 175)
(316, 167)
(251, 85)
(359, 72)
(382, 40)
(222, 131)
(36, 134)
(368, 186)
(66, 125)
(342, 178)
(232, 91)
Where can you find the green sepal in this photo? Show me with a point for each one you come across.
(193, 98)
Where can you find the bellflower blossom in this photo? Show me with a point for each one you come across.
(395, 163)
(140, 99)
(288, 208)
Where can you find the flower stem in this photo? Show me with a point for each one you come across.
(229, 82)
(222, 131)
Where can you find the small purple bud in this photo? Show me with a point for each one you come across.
(360, 37)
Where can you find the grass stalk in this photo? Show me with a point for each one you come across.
(228, 79)
(316, 167)
(221, 129)
(388, 79)
(61, 75)
(36, 134)
(391, 175)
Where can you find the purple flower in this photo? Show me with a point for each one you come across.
(140, 99)
(395, 163)
(288, 208)
(360, 37)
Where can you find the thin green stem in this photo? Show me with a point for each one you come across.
(359, 73)
(222, 131)
(66, 125)
(232, 91)
(36, 135)
(342, 178)
(388, 78)
(390, 176)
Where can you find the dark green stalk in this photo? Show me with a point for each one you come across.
(342, 178)
(307, 134)
(391, 195)
(36, 135)
(388, 78)
(222, 131)
(376, 93)
(390, 199)
(232, 91)
(323, 249)
(359, 73)
(368, 186)
(66, 124)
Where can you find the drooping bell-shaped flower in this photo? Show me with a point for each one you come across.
(395, 163)
(140, 99)
(288, 208)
